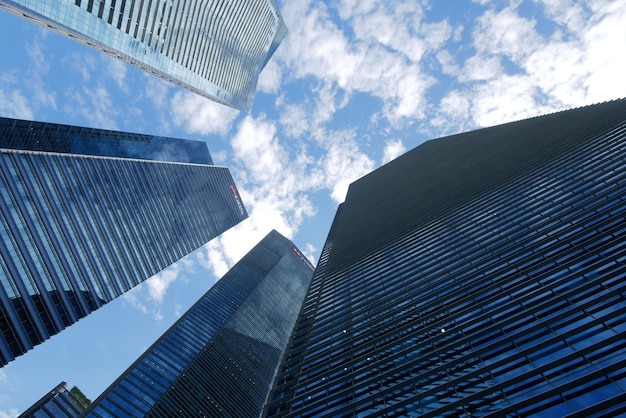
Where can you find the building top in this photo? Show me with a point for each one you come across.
(221, 356)
(59, 403)
(444, 174)
(26, 135)
(215, 48)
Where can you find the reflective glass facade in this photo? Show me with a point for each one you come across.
(76, 231)
(58, 403)
(481, 274)
(215, 48)
(220, 358)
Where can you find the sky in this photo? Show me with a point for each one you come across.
(354, 84)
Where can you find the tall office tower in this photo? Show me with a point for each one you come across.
(87, 214)
(58, 403)
(215, 48)
(481, 274)
(220, 358)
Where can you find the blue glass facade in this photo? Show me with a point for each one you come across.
(220, 358)
(58, 403)
(64, 139)
(481, 274)
(79, 230)
(215, 48)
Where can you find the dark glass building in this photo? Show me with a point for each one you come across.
(87, 214)
(58, 403)
(215, 48)
(481, 274)
(220, 358)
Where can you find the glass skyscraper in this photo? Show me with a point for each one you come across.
(215, 48)
(87, 214)
(58, 403)
(220, 358)
(481, 274)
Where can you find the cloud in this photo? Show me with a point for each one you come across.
(13, 104)
(94, 104)
(200, 115)
(518, 71)
(133, 297)
(156, 90)
(295, 120)
(568, 13)
(4, 381)
(270, 78)
(377, 50)
(309, 252)
(148, 296)
(271, 180)
(158, 284)
(39, 65)
(256, 147)
(505, 33)
(604, 40)
(392, 150)
(117, 71)
(342, 164)
(11, 413)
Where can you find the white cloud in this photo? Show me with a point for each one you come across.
(518, 71)
(256, 147)
(393, 149)
(156, 90)
(133, 297)
(569, 13)
(200, 115)
(295, 120)
(117, 71)
(219, 156)
(506, 33)
(604, 43)
(505, 99)
(309, 252)
(158, 284)
(13, 104)
(342, 164)
(94, 104)
(275, 183)
(213, 256)
(148, 296)
(453, 113)
(370, 63)
(270, 78)
(271, 181)
(11, 413)
(39, 65)
(481, 68)
(84, 64)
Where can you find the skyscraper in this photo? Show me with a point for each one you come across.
(481, 274)
(220, 358)
(87, 214)
(215, 48)
(58, 403)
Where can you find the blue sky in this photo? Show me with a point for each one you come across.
(354, 84)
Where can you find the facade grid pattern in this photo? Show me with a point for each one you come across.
(79, 230)
(513, 304)
(216, 48)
